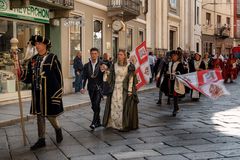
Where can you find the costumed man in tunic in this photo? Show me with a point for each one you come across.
(165, 82)
(161, 67)
(196, 65)
(175, 67)
(93, 74)
(217, 62)
(121, 111)
(231, 69)
(44, 72)
(207, 61)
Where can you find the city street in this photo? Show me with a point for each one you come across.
(202, 130)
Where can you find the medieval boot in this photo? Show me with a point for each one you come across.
(168, 101)
(159, 102)
(98, 122)
(39, 144)
(93, 124)
(175, 111)
(176, 107)
(59, 136)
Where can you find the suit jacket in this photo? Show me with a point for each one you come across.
(94, 78)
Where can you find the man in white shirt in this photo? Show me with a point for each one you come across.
(93, 74)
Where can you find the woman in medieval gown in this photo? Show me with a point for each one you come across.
(196, 65)
(121, 111)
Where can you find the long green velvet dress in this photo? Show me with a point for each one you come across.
(121, 111)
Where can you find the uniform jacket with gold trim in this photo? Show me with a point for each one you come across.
(47, 100)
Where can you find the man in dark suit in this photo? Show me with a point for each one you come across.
(78, 68)
(93, 74)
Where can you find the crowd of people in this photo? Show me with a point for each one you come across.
(43, 71)
(179, 62)
(115, 79)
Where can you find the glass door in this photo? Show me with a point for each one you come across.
(115, 46)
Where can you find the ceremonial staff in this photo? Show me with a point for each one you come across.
(14, 53)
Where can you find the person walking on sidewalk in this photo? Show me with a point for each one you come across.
(93, 74)
(44, 72)
(121, 111)
(78, 69)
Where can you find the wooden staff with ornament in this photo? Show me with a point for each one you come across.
(14, 53)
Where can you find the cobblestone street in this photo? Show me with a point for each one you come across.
(202, 130)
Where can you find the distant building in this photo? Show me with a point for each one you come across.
(217, 26)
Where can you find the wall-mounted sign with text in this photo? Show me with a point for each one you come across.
(31, 13)
(74, 21)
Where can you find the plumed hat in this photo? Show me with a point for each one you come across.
(38, 38)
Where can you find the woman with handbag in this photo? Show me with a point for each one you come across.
(121, 111)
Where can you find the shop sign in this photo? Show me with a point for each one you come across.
(31, 13)
(73, 21)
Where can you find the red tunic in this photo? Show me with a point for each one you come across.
(231, 69)
(218, 64)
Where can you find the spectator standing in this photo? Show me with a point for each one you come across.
(78, 70)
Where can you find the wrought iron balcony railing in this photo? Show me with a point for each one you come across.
(125, 8)
(223, 31)
(54, 4)
(50, 4)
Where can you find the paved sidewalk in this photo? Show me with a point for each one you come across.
(10, 114)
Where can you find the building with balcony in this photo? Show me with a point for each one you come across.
(75, 25)
(109, 25)
(236, 22)
(217, 26)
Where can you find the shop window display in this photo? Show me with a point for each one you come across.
(98, 35)
(23, 31)
(75, 43)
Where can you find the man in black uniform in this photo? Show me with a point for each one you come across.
(44, 72)
(93, 74)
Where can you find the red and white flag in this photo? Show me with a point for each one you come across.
(139, 57)
(208, 82)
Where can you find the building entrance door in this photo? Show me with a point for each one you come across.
(115, 46)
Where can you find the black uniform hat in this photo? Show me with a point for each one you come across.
(175, 52)
(38, 38)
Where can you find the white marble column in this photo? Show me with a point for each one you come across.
(165, 29)
(149, 26)
(159, 24)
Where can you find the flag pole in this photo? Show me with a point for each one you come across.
(14, 53)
